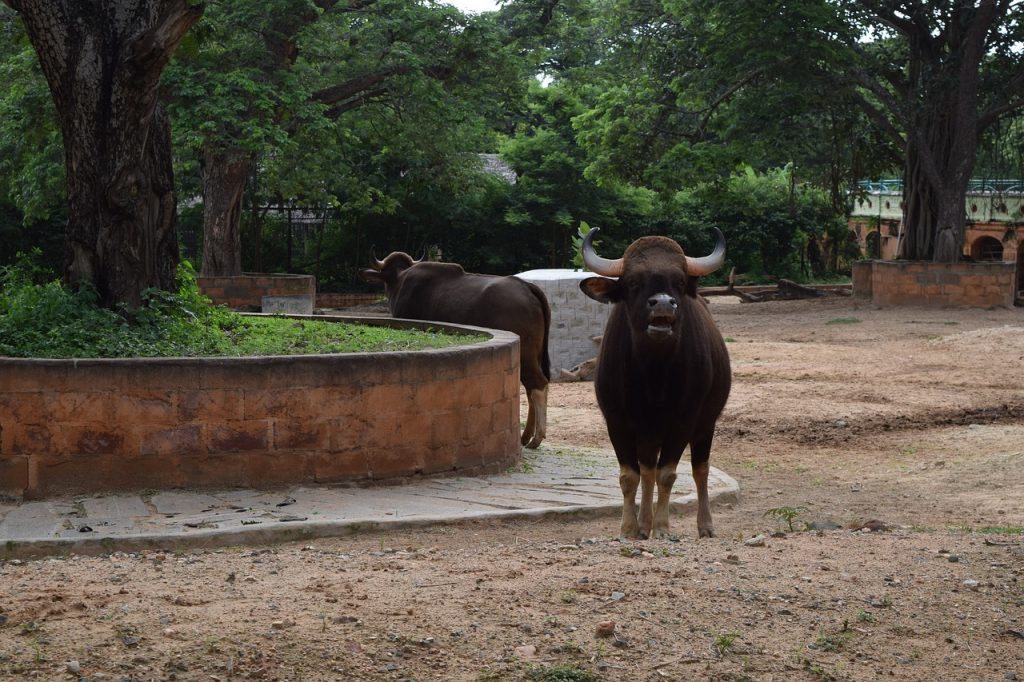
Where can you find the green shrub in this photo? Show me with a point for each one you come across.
(42, 319)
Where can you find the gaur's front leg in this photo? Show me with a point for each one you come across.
(648, 481)
(666, 479)
(629, 481)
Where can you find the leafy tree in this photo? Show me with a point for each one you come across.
(273, 100)
(691, 89)
(33, 203)
(553, 193)
(103, 63)
(935, 78)
(773, 225)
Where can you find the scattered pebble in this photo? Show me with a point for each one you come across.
(606, 628)
(971, 584)
(527, 652)
(74, 667)
(756, 541)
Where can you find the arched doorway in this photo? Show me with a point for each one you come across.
(987, 249)
(872, 245)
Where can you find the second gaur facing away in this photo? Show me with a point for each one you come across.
(444, 292)
(663, 374)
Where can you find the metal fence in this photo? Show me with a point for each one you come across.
(977, 186)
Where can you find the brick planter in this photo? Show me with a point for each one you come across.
(256, 292)
(976, 284)
(85, 426)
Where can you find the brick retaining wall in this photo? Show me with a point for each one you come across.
(332, 300)
(248, 289)
(86, 426)
(977, 284)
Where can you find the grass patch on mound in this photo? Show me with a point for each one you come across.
(39, 318)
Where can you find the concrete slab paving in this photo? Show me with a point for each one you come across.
(550, 481)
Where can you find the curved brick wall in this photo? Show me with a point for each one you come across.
(97, 425)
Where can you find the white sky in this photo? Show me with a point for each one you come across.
(474, 6)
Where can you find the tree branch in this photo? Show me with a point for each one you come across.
(152, 48)
(362, 99)
(880, 119)
(352, 87)
(992, 115)
(709, 110)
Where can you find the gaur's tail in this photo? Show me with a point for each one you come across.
(545, 359)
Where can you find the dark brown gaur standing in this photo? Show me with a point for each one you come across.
(663, 374)
(446, 293)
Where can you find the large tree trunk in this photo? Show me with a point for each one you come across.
(102, 61)
(939, 162)
(224, 176)
(943, 132)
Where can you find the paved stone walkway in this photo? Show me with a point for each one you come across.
(552, 480)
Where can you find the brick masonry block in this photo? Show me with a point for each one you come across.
(352, 464)
(398, 460)
(92, 439)
(14, 475)
(26, 407)
(301, 434)
(211, 404)
(30, 439)
(276, 468)
(237, 436)
(171, 441)
(156, 407)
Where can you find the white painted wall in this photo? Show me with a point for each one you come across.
(575, 318)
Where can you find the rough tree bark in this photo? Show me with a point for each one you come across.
(103, 60)
(224, 176)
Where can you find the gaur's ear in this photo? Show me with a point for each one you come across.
(601, 289)
(371, 276)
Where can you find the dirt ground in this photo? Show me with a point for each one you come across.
(892, 440)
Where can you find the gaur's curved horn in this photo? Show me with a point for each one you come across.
(596, 264)
(377, 264)
(708, 264)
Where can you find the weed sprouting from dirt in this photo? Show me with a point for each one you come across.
(785, 514)
(724, 641)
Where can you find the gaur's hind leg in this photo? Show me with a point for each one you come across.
(629, 481)
(531, 418)
(538, 400)
(666, 479)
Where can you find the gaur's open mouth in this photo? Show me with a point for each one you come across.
(660, 326)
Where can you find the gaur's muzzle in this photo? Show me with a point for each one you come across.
(661, 315)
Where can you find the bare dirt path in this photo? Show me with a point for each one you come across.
(898, 434)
